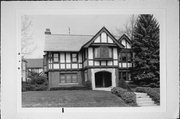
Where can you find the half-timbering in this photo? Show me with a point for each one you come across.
(73, 60)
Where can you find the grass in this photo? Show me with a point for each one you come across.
(71, 98)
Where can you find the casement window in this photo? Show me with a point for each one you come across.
(125, 75)
(50, 61)
(103, 52)
(74, 57)
(56, 57)
(68, 78)
(62, 57)
(125, 57)
(129, 57)
(68, 58)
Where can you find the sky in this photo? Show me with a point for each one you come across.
(78, 24)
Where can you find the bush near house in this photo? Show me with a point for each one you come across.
(128, 97)
(154, 93)
(36, 83)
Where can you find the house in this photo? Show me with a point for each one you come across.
(29, 66)
(35, 65)
(74, 60)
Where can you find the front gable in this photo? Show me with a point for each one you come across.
(103, 37)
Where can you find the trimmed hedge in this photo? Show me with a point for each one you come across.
(153, 93)
(128, 97)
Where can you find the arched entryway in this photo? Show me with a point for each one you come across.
(103, 79)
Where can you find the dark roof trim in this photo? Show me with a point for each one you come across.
(124, 36)
(103, 29)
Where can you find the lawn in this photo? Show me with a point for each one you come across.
(71, 98)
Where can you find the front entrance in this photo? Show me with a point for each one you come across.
(103, 79)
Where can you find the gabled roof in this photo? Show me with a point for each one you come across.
(103, 29)
(124, 36)
(34, 63)
(73, 43)
(65, 42)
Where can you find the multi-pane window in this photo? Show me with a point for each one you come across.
(125, 57)
(125, 75)
(50, 61)
(62, 78)
(129, 57)
(103, 52)
(56, 57)
(74, 57)
(68, 78)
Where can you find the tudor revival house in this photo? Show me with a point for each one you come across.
(72, 60)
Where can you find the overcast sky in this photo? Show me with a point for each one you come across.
(78, 24)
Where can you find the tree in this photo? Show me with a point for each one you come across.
(128, 27)
(27, 43)
(146, 49)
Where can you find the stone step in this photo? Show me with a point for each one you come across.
(147, 96)
(147, 105)
(143, 99)
(150, 102)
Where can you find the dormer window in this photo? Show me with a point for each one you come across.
(103, 52)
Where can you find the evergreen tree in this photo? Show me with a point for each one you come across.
(146, 50)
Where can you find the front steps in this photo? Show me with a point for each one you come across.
(143, 99)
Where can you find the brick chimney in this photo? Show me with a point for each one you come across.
(47, 32)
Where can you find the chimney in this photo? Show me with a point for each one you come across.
(47, 32)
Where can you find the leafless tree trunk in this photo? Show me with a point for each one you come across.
(27, 43)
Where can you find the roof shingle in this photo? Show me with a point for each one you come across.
(34, 63)
(65, 42)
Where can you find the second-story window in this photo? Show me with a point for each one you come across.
(103, 52)
(125, 57)
(74, 57)
(56, 58)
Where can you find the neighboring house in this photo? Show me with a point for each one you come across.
(72, 60)
(35, 65)
(23, 70)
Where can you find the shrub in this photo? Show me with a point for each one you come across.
(41, 87)
(28, 87)
(128, 97)
(152, 85)
(36, 83)
(153, 93)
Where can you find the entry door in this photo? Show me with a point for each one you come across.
(103, 79)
